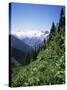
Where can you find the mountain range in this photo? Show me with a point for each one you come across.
(31, 38)
(24, 43)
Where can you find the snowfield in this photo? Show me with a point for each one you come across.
(32, 38)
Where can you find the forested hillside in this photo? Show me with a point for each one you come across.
(48, 67)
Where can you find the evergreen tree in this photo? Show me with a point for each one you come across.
(35, 53)
(61, 32)
(44, 46)
(62, 18)
(44, 41)
(53, 28)
(38, 49)
(28, 58)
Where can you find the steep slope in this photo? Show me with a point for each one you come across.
(19, 50)
(18, 44)
(49, 68)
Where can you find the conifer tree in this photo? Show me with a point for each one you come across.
(53, 28)
(44, 46)
(61, 31)
(62, 18)
(35, 53)
(28, 58)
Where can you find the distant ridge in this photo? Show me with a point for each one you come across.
(32, 38)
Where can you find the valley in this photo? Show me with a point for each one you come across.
(38, 57)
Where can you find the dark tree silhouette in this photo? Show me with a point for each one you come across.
(62, 18)
(35, 53)
(28, 58)
(53, 29)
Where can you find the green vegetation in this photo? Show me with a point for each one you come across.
(48, 68)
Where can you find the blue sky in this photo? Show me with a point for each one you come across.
(33, 16)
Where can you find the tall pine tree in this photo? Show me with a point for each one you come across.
(62, 18)
(53, 28)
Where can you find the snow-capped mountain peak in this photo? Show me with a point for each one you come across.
(28, 34)
(32, 38)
